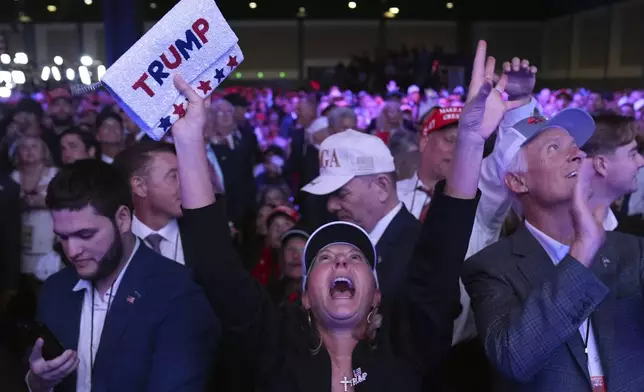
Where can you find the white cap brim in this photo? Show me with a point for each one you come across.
(323, 185)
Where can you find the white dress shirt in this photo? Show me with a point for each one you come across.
(107, 159)
(636, 203)
(100, 305)
(557, 251)
(412, 197)
(383, 223)
(171, 246)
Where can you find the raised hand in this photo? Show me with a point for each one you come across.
(192, 125)
(44, 375)
(189, 141)
(485, 106)
(589, 229)
(521, 78)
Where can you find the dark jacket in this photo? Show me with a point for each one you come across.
(396, 249)
(528, 313)
(10, 229)
(273, 346)
(160, 334)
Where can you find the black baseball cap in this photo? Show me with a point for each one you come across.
(338, 232)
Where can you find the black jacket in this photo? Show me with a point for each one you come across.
(272, 347)
(10, 230)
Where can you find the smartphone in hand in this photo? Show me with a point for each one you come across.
(51, 347)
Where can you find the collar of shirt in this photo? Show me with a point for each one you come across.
(555, 249)
(107, 159)
(168, 232)
(383, 223)
(87, 285)
(610, 223)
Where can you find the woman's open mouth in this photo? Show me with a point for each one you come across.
(342, 288)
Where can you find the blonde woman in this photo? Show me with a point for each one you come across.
(34, 171)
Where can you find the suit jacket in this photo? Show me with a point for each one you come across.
(528, 313)
(313, 207)
(163, 341)
(237, 168)
(10, 230)
(395, 250)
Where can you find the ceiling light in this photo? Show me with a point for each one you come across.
(86, 60)
(394, 10)
(83, 74)
(46, 71)
(18, 77)
(70, 73)
(252, 5)
(24, 18)
(352, 5)
(21, 58)
(88, 2)
(449, 5)
(55, 72)
(51, 8)
(153, 6)
(58, 60)
(389, 15)
(5, 92)
(5, 58)
(100, 71)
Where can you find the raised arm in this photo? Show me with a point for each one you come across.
(238, 301)
(495, 201)
(432, 289)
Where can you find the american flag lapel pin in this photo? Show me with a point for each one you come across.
(133, 297)
(605, 261)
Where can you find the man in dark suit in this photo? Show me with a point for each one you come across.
(559, 304)
(234, 152)
(10, 230)
(130, 319)
(357, 172)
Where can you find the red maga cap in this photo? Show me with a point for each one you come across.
(441, 118)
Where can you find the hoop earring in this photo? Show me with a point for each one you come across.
(369, 316)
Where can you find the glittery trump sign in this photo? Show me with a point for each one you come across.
(194, 40)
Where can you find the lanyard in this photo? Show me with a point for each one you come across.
(91, 339)
(587, 337)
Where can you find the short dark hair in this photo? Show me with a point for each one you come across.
(88, 139)
(89, 182)
(105, 114)
(611, 132)
(137, 157)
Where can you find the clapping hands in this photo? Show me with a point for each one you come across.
(589, 229)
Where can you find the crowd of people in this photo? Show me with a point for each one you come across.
(480, 239)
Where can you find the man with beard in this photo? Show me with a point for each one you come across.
(129, 318)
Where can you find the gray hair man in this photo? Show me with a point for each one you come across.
(357, 171)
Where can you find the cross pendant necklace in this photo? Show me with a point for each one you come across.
(346, 382)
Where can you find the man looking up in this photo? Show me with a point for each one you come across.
(557, 304)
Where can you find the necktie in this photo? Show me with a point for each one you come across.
(423, 212)
(155, 242)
